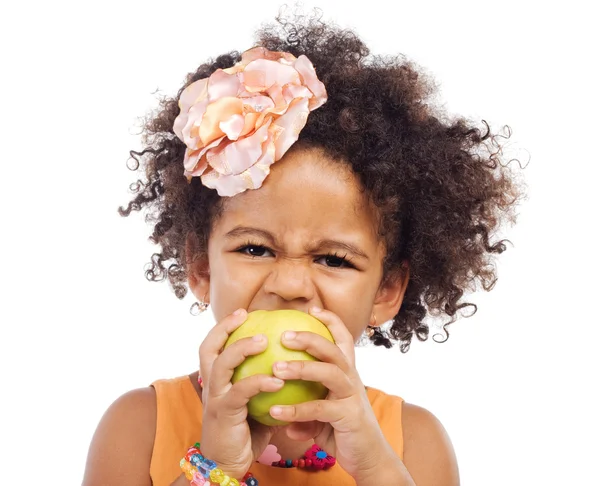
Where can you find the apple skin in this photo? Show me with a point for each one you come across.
(273, 324)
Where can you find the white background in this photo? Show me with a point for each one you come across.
(516, 386)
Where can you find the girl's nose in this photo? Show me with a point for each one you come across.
(290, 280)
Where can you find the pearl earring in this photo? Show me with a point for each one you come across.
(371, 329)
(198, 308)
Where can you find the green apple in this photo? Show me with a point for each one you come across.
(273, 324)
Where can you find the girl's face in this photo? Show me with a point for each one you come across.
(306, 238)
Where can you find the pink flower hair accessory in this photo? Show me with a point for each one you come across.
(239, 121)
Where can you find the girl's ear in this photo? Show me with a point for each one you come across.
(391, 294)
(197, 268)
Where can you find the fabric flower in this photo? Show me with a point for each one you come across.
(320, 459)
(239, 121)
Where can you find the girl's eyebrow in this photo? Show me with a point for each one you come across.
(322, 244)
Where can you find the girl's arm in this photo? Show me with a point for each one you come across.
(429, 458)
(428, 452)
(121, 448)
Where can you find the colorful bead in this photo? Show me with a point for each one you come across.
(314, 458)
(188, 469)
(216, 476)
(198, 479)
(196, 460)
(204, 472)
(226, 481)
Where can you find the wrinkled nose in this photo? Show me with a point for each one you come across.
(289, 281)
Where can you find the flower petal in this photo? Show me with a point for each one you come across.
(251, 122)
(201, 152)
(194, 93)
(193, 164)
(263, 53)
(222, 85)
(217, 111)
(236, 157)
(280, 101)
(190, 131)
(309, 78)
(261, 74)
(232, 127)
(292, 123)
(252, 178)
(293, 91)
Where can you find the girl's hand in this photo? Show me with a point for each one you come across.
(344, 424)
(227, 437)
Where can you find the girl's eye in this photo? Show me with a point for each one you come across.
(335, 261)
(254, 250)
(331, 261)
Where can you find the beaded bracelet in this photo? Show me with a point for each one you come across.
(204, 472)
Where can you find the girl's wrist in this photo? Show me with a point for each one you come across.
(387, 469)
(200, 471)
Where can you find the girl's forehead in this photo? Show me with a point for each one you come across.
(304, 192)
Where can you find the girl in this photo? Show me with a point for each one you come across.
(300, 175)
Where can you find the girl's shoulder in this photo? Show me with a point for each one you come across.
(427, 446)
(418, 437)
(121, 448)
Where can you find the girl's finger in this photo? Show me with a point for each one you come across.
(331, 376)
(234, 355)
(240, 394)
(339, 331)
(216, 339)
(319, 347)
(319, 410)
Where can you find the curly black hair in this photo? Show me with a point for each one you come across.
(440, 184)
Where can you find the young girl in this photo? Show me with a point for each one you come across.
(302, 175)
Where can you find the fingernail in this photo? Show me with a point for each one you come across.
(315, 310)
(278, 381)
(289, 335)
(282, 365)
(238, 312)
(258, 338)
(276, 410)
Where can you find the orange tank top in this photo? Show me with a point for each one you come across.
(179, 426)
